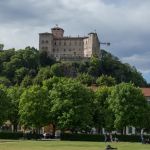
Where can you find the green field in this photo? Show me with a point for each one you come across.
(61, 145)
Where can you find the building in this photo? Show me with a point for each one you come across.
(61, 47)
(146, 93)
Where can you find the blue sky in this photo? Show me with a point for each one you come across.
(123, 23)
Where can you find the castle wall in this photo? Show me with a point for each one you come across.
(69, 47)
(91, 45)
(46, 43)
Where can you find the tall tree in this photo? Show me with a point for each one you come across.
(128, 105)
(71, 105)
(4, 104)
(14, 94)
(34, 107)
(103, 116)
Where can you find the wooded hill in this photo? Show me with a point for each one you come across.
(27, 66)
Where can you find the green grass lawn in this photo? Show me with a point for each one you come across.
(66, 145)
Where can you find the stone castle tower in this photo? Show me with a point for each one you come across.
(61, 47)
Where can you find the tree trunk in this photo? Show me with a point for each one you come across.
(54, 130)
(15, 127)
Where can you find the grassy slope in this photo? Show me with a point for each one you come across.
(60, 145)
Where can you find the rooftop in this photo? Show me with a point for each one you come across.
(146, 92)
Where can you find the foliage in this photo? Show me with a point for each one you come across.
(63, 70)
(5, 81)
(1, 46)
(14, 94)
(111, 65)
(103, 116)
(11, 135)
(27, 81)
(128, 105)
(105, 80)
(85, 79)
(94, 68)
(98, 137)
(4, 104)
(45, 60)
(71, 105)
(34, 107)
(43, 74)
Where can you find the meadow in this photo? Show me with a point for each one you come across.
(68, 145)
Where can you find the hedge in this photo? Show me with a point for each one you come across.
(99, 138)
(19, 135)
(32, 136)
(11, 135)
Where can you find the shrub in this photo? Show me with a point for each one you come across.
(99, 138)
(11, 135)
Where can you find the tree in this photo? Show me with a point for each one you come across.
(103, 116)
(85, 79)
(45, 60)
(95, 66)
(63, 70)
(5, 81)
(105, 80)
(20, 74)
(71, 105)
(4, 104)
(43, 74)
(1, 46)
(27, 81)
(111, 65)
(34, 107)
(14, 94)
(128, 105)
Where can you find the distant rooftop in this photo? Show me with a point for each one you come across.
(146, 91)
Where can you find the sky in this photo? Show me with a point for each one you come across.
(123, 23)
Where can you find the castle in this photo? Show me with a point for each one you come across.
(61, 47)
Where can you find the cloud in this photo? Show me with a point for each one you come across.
(123, 23)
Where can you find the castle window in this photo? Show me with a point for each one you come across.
(65, 43)
(55, 43)
(46, 41)
(53, 50)
(59, 42)
(74, 53)
(64, 50)
(69, 49)
(42, 41)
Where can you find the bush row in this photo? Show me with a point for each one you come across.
(10, 135)
(19, 135)
(99, 138)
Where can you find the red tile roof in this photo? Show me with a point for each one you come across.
(146, 91)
